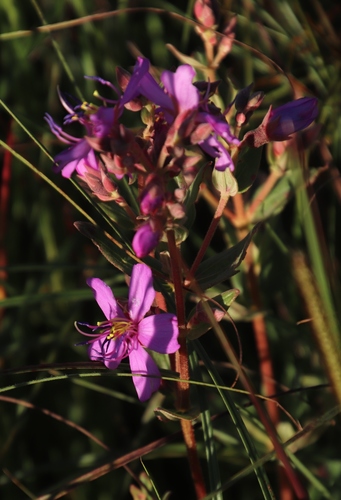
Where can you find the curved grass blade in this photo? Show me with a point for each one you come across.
(238, 422)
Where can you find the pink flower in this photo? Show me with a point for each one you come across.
(126, 333)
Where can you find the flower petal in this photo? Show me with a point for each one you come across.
(132, 90)
(89, 161)
(141, 292)
(105, 298)
(220, 126)
(159, 333)
(102, 121)
(179, 85)
(110, 352)
(142, 363)
(213, 147)
(68, 159)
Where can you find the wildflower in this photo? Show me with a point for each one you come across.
(127, 333)
(280, 123)
(186, 105)
(80, 155)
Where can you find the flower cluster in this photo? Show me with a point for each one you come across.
(127, 332)
(183, 129)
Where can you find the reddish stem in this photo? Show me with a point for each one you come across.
(182, 366)
(4, 204)
(260, 333)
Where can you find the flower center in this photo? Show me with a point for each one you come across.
(114, 328)
(117, 337)
(89, 108)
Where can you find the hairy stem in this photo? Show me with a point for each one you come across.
(182, 367)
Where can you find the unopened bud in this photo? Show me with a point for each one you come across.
(145, 240)
(203, 11)
(226, 42)
(152, 196)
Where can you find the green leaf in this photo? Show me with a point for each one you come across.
(112, 250)
(184, 59)
(191, 198)
(247, 167)
(224, 299)
(165, 415)
(280, 195)
(222, 266)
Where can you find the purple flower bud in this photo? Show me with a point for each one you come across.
(152, 196)
(145, 240)
(280, 123)
(291, 117)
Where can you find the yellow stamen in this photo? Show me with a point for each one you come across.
(117, 328)
(89, 108)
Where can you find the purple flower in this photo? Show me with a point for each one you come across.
(180, 103)
(178, 95)
(142, 83)
(152, 196)
(185, 96)
(291, 117)
(213, 147)
(127, 333)
(80, 155)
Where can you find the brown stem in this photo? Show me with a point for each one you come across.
(258, 323)
(262, 344)
(259, 329)
(193, 458)
(292, 478)
(177, 281)
(181, 356)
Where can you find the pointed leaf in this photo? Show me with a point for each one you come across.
(191, 198)
(184, 59)
(222, 266)
(114, 253)
(247, 167)
(224, 299)
(280, 195)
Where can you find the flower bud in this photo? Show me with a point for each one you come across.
(145, 240)
(280, 123)
(226, 42)
(203, 11)
(152, 196)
